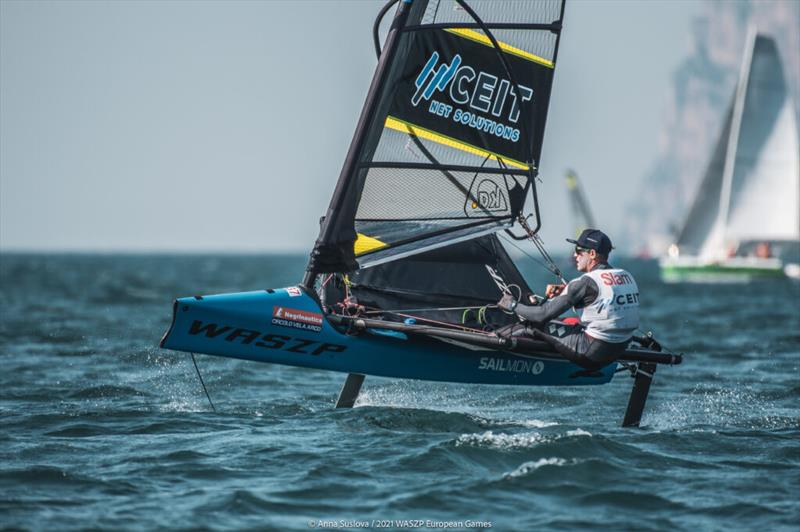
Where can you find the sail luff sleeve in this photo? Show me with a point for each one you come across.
(333, 250)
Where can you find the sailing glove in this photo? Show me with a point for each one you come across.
(507, 303)
(553, 290)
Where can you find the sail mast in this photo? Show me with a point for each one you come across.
(359, 137)
(733, 142)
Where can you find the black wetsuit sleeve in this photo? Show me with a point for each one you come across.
(580, 293)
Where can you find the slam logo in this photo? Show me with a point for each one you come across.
(480, 91)
(488, 196)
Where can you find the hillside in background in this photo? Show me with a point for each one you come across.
(703, 87)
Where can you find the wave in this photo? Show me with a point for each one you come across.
(529, 467)
(418, 419)
(57, 477)
(513, 441)
(106, 391)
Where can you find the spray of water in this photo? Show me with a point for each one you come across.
(735, 407)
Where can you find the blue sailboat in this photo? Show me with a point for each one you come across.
(404, 276)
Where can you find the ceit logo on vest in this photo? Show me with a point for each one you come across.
(480, 92)
(614, 315)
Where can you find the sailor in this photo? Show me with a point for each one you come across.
(606, 299)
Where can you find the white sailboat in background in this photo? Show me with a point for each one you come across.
(746, 214)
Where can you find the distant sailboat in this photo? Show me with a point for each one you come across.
(748, 204)
(581, 213)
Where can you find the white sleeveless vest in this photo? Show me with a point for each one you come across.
(614, 315)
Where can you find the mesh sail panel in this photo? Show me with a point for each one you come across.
(421, 194)
(454, 130)
(493, 11)
(421, 204)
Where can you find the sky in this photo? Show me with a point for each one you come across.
(222, 126)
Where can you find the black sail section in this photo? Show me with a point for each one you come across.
(463, 94)
(449, 140)
(429, 284)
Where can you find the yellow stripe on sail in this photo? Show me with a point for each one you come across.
(365, 244)
(486, 41)
(405, 127)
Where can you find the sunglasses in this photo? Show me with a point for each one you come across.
(579, 250)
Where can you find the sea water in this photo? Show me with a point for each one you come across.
(101, 429)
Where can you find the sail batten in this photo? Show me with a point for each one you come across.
(445, 167)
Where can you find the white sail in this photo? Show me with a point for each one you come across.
(769, 208)
(760, 190)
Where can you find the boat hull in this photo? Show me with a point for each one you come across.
(735, 270)
(286, 326)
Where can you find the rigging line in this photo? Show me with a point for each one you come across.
(376, 26)
(534, 259)
(541, 247)
(401, 312)
(429, 320)
(444, 323)
(203, 383)
(480, 168)
(424, 309)
(539, 243)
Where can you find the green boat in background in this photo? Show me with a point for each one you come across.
(733, 270)
(744, 224)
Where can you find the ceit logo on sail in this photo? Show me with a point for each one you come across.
(480, 92)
